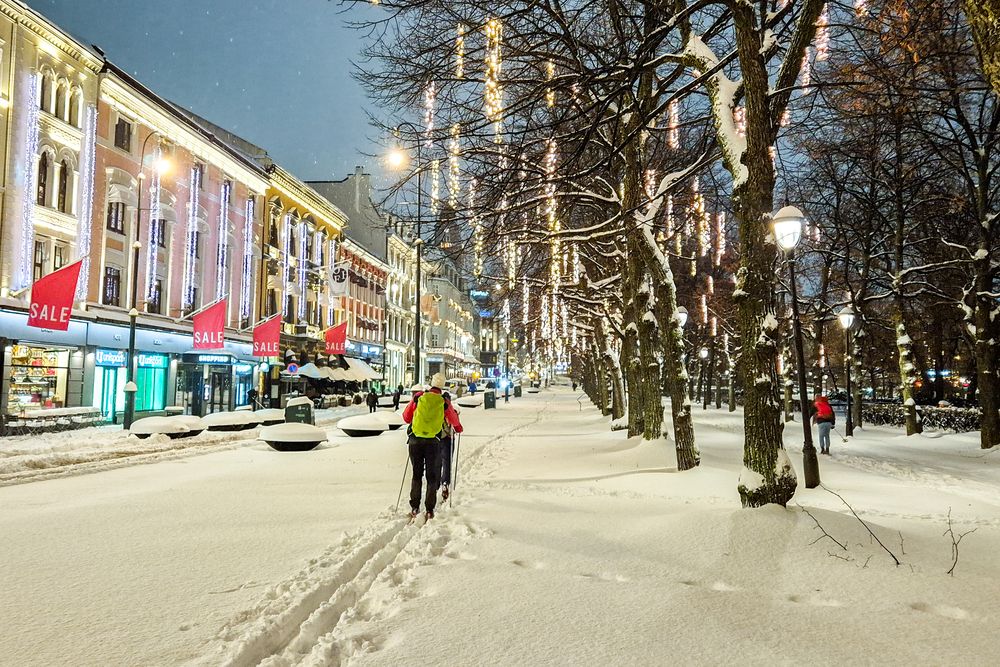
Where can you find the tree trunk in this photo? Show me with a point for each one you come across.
(907, 373)
(987, 379)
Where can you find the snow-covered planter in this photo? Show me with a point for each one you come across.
(391, 419)
(385, 401)
(271, 416)
(362, 426)
(238, 420)
(178, 426)
(292, 437)
(470, 401)
(958, 420)
(359, 399)
(533, 390)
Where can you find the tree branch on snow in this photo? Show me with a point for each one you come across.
(820, 526)
(955, 541)
(870, 532)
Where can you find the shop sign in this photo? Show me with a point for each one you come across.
(210, 359)
(152, 361)
(52, 298)
(110, 358)
(243, 369)
(209, 327)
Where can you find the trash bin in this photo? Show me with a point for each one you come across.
(299, 410)
(489, 399)
(517, 391)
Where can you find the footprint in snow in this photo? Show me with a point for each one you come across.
(815, 601)
(944, 610)
(529, 564)
(717, 586)
(604, 576)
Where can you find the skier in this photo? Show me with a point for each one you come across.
(396, 395)
(372, 401)
(824, 420)
(426, 414)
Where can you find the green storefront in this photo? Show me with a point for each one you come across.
(109, 381)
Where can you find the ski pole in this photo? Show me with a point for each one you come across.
(406, 467)
(454, 463)
(452, 468)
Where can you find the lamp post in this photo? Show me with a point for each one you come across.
(702, 389)
(397, 160)
(787, 232)
(162, 166)
(846, 317)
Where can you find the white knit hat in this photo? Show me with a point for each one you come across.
(438, 381)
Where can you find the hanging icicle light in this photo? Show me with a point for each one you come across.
(430, 95)
(699, 219)
(222, 277)
(714, 329)
(153, 238)
(331, 301)
(477, 231)
(511, 265)
(823, 35)
(860, 7)
(650, 183)
(740, 119)
(302, 265)
(720, 237)
(435, 186)
(546, 318)
(786, 117)
(673, 125)
(805, 74)
(25, 249)
(287, 255)
(454, 185)
(191, 244)
(85, 204)
(550, 93)
(492, 92)
(460, 51)
(246, 272)
(710, 284)
(576, 265)
(525, 301)
(551, 215)
(704, 309)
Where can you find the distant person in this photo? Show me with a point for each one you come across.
(574, 386)
(372, 401)
(252, 397)
(472, 388)
(506, 393)
(426, 414)
(825, 420)
(396, 395)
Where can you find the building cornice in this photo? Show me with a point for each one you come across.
(52, 34)
(126, 98)
(287, 186)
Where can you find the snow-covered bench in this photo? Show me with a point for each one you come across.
(362, 426)
(391, 419)
(292, 437)
(177, 426)
(238, 420)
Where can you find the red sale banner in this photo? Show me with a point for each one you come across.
(209, 326)
(336, 339)
(52, 298)
(266, 337)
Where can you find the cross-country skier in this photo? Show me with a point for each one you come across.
(426, 414)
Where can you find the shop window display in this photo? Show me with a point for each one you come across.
(38, 378)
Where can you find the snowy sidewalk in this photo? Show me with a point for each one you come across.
(570, 545)
(141, 565)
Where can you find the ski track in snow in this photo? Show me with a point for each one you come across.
(20, 465)
(325, 613)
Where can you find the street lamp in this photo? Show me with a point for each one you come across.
(787, 224)
(398, 159)
(846, 317)
(702, 389)
(162, 166)
(682, 316)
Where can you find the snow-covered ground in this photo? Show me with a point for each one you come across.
(566, 544)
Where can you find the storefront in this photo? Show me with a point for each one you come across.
(109, 382)
(213, 382)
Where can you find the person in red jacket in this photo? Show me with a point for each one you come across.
(824, 419)
(427, 414)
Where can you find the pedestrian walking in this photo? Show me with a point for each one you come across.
(506, 392)
(252, 397)
(426, 414)
(825, 419)
(372, 401)
(396, 395)
(574, 386)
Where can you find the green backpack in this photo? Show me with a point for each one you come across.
(428, 418)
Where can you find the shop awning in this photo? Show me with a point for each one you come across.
(310, 370)
(361, 371)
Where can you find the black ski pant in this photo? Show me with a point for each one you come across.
(447, 446)
(425, 459)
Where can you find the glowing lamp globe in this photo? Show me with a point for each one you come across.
(846, 317)
(396, 158)
(703, 353)
(788, 223)
(682, 316)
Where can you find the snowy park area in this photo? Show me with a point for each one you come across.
(565, 543)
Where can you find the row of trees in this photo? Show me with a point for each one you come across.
(611, 162)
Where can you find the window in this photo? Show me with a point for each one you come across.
(272, 233)
(112, 286)
(38, 265)
(123, 135)
(45, 93)
(155, 297)
(64, 170)
(61, 102)
(74, 110)
(197, 244)
(59, 257)
(160, 232)
(116, 217)
(200, 168)
(42, 196)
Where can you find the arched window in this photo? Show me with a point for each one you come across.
(45, 93)
(74, 109)
(42, 197)
(64, 200)
(61, 110)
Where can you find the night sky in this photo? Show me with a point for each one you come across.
(276, 72)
